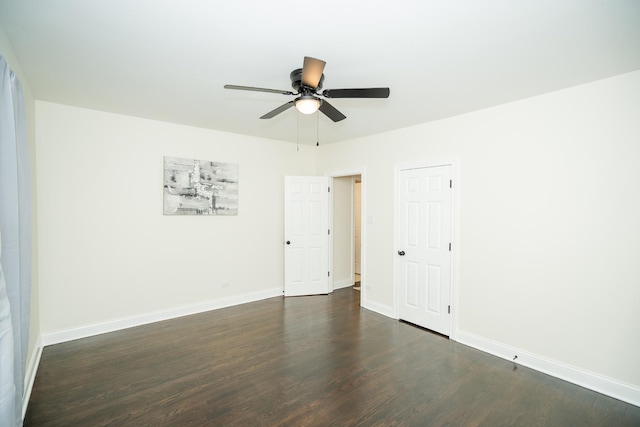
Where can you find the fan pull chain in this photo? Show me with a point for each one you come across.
(317, 129)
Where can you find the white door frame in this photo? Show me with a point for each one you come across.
(455, 220)
(363, 225)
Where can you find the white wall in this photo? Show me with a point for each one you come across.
(549, 221)
(106, 250)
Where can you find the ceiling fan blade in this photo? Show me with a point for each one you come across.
(278, 110)
(312, 71)
(259, 89)
(331, 112)
(376, 92)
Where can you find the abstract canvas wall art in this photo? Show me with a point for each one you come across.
(200, 187)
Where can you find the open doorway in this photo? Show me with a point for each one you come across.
(357, 232)
(347, 256)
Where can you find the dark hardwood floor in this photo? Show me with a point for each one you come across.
(320, 361)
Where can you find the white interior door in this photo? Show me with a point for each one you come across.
(306, 227)
(424, 251)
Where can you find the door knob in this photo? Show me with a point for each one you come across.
(288, 242)
(401, 253)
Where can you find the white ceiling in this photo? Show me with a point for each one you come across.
(169, 60)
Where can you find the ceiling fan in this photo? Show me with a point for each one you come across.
(307, 81)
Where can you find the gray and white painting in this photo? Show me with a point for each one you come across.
(200, 187)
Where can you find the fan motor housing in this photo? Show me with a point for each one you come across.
(296, 81)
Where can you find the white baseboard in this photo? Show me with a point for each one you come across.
(342, 284)
(385, 310)
(30, 374)
(143, 319)
(610, 387)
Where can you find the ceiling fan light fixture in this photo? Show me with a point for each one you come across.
(307, 104)
(307, 83)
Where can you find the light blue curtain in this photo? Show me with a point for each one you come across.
(15, 246)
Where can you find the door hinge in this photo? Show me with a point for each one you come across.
(449, 247)
(450, 183)
(329, 231)
(328, 274)
(449, 309)
(329, 189)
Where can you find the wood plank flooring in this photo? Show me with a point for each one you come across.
(303, 361)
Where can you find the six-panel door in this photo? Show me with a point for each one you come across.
(306, 226)
(424, 256)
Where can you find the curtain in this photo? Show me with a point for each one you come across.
(15, 246)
